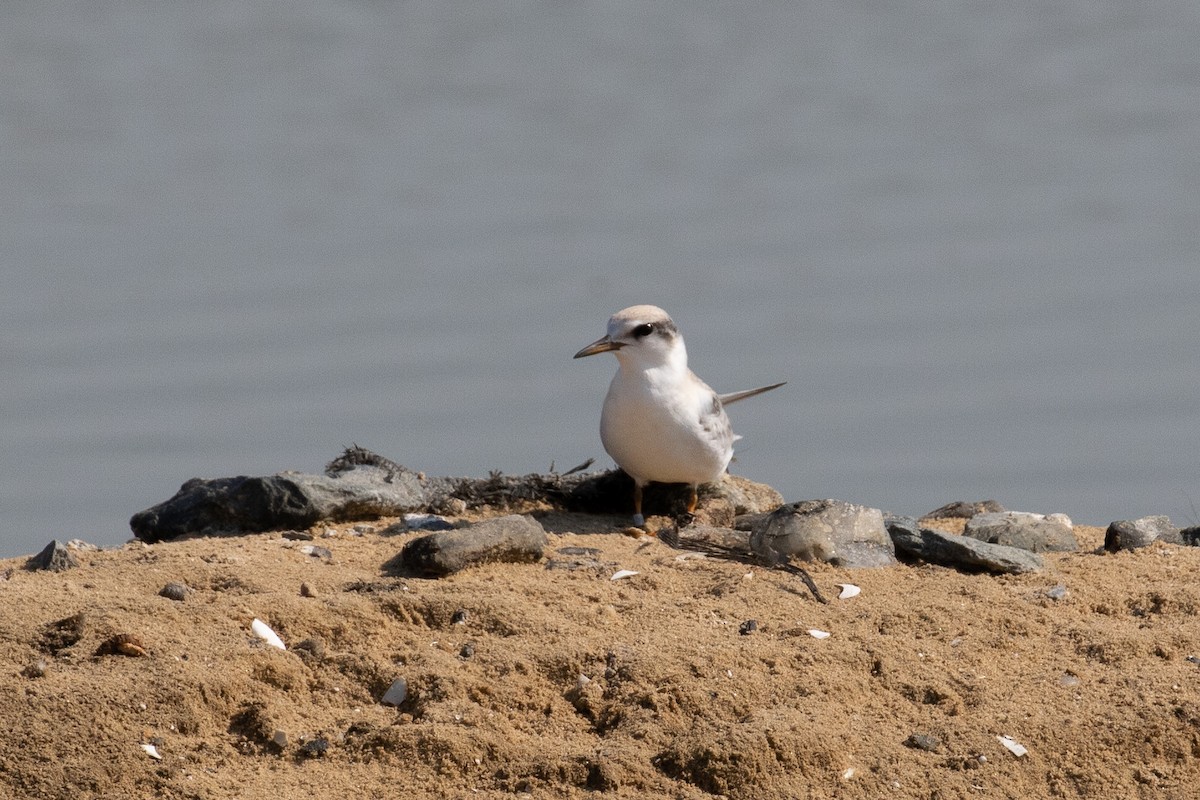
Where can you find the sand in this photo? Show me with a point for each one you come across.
(527, 680)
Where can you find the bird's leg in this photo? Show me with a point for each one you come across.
(638, 520)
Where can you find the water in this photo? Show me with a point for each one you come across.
(236, 238)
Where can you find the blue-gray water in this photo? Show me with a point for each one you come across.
(236, 237)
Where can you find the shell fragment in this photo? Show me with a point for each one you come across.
(263, 631)
(819, 634)
(152, 751)
(1012, 745)
(622, 573)
(848, 590)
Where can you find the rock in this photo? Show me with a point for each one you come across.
(513, 538)
(748, 627)
(1190, 536)
(924, 741)
(174, 591)
(960, 552)
(1132, 534)
(833, 531)
(1033, 532)
(961, 509)
(427, 522)
(396, 694)
(55, 557)
(285, 500)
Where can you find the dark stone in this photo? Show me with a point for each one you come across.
(833, 531)
(513, 538)
(1190, 536)
(1032, 532)
(924, 741)
(174, 591)
(315, 748)
(282, 501)
(960, 552)
(961, 509)
(55, 557)
(748, 627)
(1132, 534)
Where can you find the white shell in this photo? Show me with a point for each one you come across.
(1012, 745)
(622, 573)
(848, 590)
(263, 631)
(152, 751)
(819, 634)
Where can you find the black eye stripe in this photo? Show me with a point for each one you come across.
(645, 329)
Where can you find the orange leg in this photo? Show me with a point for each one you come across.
(693, 498)
(638, 519)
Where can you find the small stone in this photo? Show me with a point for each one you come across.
(279, 739)
(459, 617)
(1057, 593)
(924, 741)
(396, 694)
(748, 627)
(316, 551)
(1067, 680)
(513, 539)
(310, 648)
(174, 591)
(1133, 534)
(363, 530)
(962, 509)
(306, 590)
(297, 536)
(55, 557)
(467, 650)
(315, 748)
(427, 522)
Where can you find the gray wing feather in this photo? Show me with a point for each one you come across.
(733, 397)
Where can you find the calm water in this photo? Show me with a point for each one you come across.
(238, 237)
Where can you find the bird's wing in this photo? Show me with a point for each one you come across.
(733, 397)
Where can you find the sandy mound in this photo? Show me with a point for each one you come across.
(559, 682)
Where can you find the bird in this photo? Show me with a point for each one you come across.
(660, 422)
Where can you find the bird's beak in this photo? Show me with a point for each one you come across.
(601, 345)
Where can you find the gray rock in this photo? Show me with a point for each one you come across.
(924, 741)
(284, 500)
(513, 539)
(175, 591)
(1132, 534)
(1033, 532)
(962, 509)
(960, 552)
(55, 557)
(396, 694)
(833, 531)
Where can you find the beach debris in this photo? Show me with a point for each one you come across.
(263, 631)
(175, 591)
(466, 651)
(311, 647)
(279, 738)
(55, 557)
(923, 741)
(1067, 680)
(36, 669)
(152, 751)
(848, 590)
(459, 617)
(833, 531)
(623, 573)
(748, 627)
(125, 644)
(1033, 532)
(817, 633)
(306, 590)
(960, 552)
(396, 694)
(1012, 745)
(1133, 534)
(514, 539)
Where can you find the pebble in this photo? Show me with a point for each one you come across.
(459, 617)
(36, 670)
(316, 551)
(396, 694)
(924, 741)
(467, 650)
(174, 591)
(55, 557)
(1057, 593)
(427, 522)
(315, 748)
(279, 739)
(306, 590)
(748, 627)
(960, 552)
(1132, 534)
(513, 539)
(297, 536)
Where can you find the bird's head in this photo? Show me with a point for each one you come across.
(640, 336)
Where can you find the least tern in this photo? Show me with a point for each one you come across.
(660, 422)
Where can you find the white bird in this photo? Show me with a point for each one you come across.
(660, 422)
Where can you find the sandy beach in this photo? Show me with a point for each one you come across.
(696, 677)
